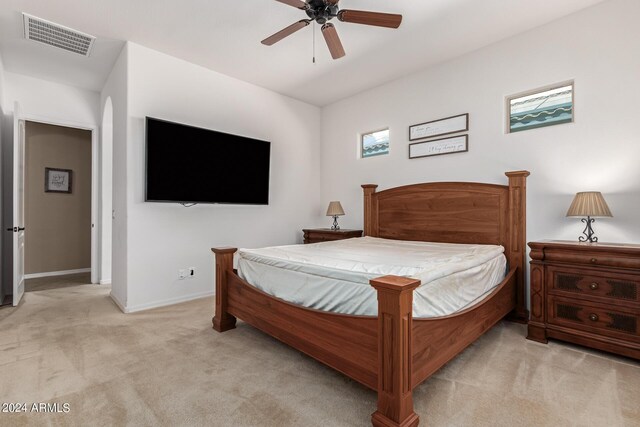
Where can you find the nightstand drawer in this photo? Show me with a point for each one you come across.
(604, 286)
(592, 257)
(595, 318)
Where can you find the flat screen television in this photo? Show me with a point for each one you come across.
(187, 164)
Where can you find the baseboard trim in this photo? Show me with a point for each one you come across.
(166, 302)
(105, 282)
(56, 273)
(118, 303)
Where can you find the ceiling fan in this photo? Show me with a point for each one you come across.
(322, 11)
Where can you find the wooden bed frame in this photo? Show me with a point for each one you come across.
(393, 353)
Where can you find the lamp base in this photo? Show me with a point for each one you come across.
(588, 231)
(335, 225)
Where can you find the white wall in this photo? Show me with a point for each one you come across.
(165, 237)
(598, 48)
(41, 99)
(116, 88)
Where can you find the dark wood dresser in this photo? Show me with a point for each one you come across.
(316, 235)
(586, 293)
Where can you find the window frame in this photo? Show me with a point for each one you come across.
(532, 92)
(361, 145)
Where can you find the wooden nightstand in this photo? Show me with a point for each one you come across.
(586, 293)
(315, 235)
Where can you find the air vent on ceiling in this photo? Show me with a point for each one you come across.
(56, 35)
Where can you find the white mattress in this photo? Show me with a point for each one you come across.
(334, 276)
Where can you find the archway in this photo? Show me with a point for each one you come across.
(106, 191)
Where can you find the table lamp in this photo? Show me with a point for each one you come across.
(335, 210)
(589, 204)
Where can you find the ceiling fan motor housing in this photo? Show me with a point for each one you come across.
(321, 12)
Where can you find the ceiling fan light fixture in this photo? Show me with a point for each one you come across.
(322, 11)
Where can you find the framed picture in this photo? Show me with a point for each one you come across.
(548, 106)
(439, 127)
(375, 143)
(436, 147)
(57, 180)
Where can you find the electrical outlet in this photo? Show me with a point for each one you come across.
(183, 273)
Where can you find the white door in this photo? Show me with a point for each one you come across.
(18, 205)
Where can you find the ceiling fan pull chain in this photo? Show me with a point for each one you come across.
(314, 44)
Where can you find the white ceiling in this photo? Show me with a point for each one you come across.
(224, 35)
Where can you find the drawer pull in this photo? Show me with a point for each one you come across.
(593, 286)
(593, 317)
(594, 260)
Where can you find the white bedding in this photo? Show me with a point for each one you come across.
(334, 276)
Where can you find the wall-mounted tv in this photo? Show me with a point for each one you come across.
(187, 164)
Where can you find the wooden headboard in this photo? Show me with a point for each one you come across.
(454, 212)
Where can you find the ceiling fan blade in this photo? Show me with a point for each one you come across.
(333, 41)
(389, 20)
(295, 3)
(285, 32)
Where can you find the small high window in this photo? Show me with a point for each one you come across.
(375, 143)
(543, 107)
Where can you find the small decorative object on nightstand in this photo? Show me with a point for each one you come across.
(588, 203)
(316, 235)
(335, 210)
(586, 293)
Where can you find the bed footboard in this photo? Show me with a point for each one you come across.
(222, 320)
(395, 325)
(348, 344)
(376, 352)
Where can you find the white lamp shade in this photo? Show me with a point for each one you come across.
(589, 203)
(335, 209)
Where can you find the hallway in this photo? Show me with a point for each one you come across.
(57, 282)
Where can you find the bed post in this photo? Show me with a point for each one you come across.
(370, 212)
(395, 318)
(517, 236)
(223, 321)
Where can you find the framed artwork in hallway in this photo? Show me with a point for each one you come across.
(57, 180)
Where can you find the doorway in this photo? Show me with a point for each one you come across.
(57, 204)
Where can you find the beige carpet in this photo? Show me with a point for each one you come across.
(167, 367)
(56, 282)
